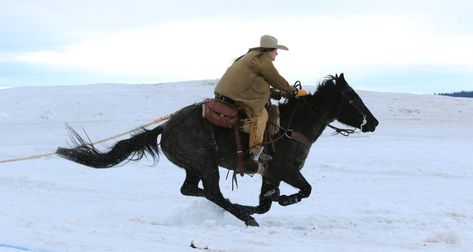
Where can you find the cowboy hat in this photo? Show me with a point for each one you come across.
(268, 41)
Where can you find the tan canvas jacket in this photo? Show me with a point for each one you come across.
(248, 81)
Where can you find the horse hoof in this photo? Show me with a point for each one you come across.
(252, 222)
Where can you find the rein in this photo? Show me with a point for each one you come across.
(291, 134)
(343, 132)
(299, 137)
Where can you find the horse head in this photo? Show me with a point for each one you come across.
(351, 109)
(335, 96)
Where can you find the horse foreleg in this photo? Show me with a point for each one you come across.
(298, 181)
(212, 192)
(269, 193)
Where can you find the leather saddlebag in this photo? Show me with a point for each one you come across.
(220, 113)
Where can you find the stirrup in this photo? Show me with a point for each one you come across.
(263, 158)
(257, 153)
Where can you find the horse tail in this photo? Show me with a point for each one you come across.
(133, 149)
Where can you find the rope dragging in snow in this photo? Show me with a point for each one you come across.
(8, 246)
(157, 121)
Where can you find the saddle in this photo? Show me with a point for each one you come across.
(222, 112)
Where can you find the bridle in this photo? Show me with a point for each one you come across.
(299, 137)
(352, 103)
(343, 132)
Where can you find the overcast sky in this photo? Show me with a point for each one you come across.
(396, 46)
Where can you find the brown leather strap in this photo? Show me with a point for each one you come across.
(239, 164)
(298, 137)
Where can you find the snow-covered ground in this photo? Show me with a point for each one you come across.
(406, 187)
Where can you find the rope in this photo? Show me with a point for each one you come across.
(4, 245)
(156, 121)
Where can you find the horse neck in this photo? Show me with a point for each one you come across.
(309, 121)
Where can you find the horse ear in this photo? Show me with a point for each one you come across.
(336, 76)
(341, 76)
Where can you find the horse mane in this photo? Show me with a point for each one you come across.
(324, 88)
(328, 82)
(323, 95)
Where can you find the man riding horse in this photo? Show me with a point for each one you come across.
(200, 148)
(247, 82)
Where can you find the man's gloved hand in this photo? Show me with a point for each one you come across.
(294, 93)
(301, 92)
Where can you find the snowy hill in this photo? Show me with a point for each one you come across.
(406, 187)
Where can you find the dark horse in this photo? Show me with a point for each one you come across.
(191, 142)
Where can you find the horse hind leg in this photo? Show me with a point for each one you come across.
(212, 192)
(190, 187)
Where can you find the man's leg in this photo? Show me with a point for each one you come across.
(256, 134)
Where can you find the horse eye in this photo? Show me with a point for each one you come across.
(350, 102)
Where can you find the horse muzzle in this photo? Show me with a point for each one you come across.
(370, 126)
